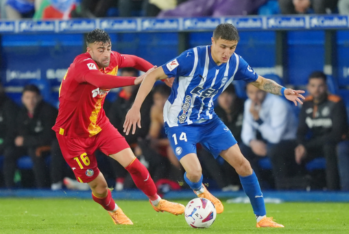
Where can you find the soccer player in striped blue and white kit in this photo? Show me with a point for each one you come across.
(201, 74)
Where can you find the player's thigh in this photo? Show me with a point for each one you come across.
(124, 157)
(111, 142)
(235, 158)
(183, 140)
(82, 162)
(191, 164)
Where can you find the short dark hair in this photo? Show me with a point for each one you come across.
(226, 31)
(317, 75)
(97, 35)
(230, 89)
(130, 69)
(162, 89)
(31, 88)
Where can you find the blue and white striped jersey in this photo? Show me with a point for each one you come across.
(198, 82)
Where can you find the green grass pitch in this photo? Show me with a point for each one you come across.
(64, 216)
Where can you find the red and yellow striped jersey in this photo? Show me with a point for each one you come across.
(81, 111)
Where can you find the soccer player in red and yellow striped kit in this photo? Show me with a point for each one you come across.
(82, 126)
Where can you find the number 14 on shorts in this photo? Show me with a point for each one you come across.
(182, 137)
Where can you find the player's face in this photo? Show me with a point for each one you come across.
(159, 100)
(255, 94)
(225, 100)
(100, 53)
(222, 50)
(317, 88)
(30, 100)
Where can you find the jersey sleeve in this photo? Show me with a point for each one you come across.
(82, 68)
(245, 71)
(180, 66)
(127, 60)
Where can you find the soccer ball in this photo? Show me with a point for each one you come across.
(200, 213)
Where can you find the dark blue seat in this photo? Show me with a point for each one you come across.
(25, 162)
(315, 164)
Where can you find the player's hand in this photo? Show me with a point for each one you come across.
(254, 110)
(294, 96)
(133, 118)
(140, 78)
(259, 148)
(300, 153)
(169, 81)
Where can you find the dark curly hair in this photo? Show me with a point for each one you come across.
(226, 31)
(97, 35)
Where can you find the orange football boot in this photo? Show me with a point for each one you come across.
(119, 217)
(216, 202)
(170, 207)
(268, 222)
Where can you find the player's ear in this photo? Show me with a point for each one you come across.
(212, 40)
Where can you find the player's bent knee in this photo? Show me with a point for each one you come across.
(194, 175)
(244, 168)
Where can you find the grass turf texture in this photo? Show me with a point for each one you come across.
(84, 216)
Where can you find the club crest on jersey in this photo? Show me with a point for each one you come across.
(172, 65)
(100, 92)
(91, 66)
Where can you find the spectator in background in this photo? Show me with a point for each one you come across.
(92, 8)
(34, 137)
(215, 8)
(54, 9)
(230, 110)
(322, 124)
(8, 114)
(116, 115)
(307, 6)
(343, 7)
(268, 129)
(19, 9)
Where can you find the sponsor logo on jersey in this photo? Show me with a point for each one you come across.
(324, 122)
(91, 66)
(99, 91)
(185, 108)
(89, 172)
(172, 65)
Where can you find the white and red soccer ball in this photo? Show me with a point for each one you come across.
(200, 213)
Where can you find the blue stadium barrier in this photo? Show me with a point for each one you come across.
(332, 85)
(294, 196)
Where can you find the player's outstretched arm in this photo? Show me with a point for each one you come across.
(133, 117)
(271, 86)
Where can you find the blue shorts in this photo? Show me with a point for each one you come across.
(213, 134)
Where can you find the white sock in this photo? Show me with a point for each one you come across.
(201, 190)
(116, 207)
(156, 202)
(259, 218)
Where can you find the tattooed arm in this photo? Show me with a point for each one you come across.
(268, 85)
(271, 86)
